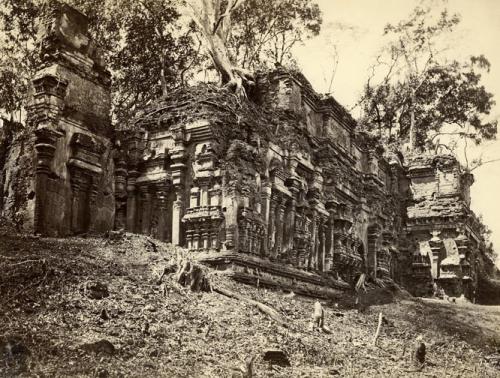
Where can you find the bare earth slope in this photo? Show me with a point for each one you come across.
(52, 322)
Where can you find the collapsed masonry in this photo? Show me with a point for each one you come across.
(281, 189)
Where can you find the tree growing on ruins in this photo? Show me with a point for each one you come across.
(414, 93)
(242, 36)
(265, 32)
(213, 18)
(151, 49)
(148, 50)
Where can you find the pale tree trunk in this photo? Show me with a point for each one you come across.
(216, 27)
(412, 75)
(413, 129)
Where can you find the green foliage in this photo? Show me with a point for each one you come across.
(418, 87)
(265, 32)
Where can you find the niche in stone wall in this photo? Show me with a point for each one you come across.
(84, 169)
(81, 184)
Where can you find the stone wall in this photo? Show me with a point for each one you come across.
(68, 183)
(281, 189)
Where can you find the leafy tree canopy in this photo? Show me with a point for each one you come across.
(265, 32)
(415, 93)
(146, 47)
(150, 48)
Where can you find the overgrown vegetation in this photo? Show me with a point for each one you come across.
(416, 94)
(97, 307)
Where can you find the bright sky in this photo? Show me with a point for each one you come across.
(359, 40)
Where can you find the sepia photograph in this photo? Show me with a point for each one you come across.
(249, 188)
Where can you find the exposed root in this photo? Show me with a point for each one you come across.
(380, 317)
(192, 275)
(271, 312)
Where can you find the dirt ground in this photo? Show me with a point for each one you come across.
(95, 307)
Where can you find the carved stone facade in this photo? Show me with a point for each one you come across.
(282, 189)
(68, 186)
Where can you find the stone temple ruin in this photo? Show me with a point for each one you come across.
(281, 189)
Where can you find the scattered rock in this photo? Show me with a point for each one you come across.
(419, 352)
(149, 308)
(104, 314)
(95, 290)
(101, 373)
(276, 357)
(115, 235)
(154, 353)
(99, 347)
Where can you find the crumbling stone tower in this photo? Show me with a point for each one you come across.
(445, 234)
(68, 187)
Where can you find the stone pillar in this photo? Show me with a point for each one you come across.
(177, 216)
(280, 219)
(178, 167)
(45, 146)
(330, 243)
(294, 186)
(204, 199)
(435, 244)
(205, 236)
(215, 194)
(120, 194)
(196, 236)
(214, 235)
(266, 209)
(322, 246)
(131, 201)
(271, 224)
(313, 257)
(77, 186)
(189, 239)
(162, 194)
(145, 209)
(93, 211)
(194, 198)
(293, 213)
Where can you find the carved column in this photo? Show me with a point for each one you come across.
(45, 146)
(205, 235)
(177, 216)
(189, 239)
(204, 199)
(120, 194)
(162, 194)
(290, 229)
(146, 210)
(435, 244)
(196, 236)
(194, 197)
(266, 209)
(280, 226)
(178, 167)
(322, 246)
(214, 232)
(271, 224)
(77, 186)
(313, 245)
(93, 211)
(243, 230)
(330, 243)
(131, 201)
